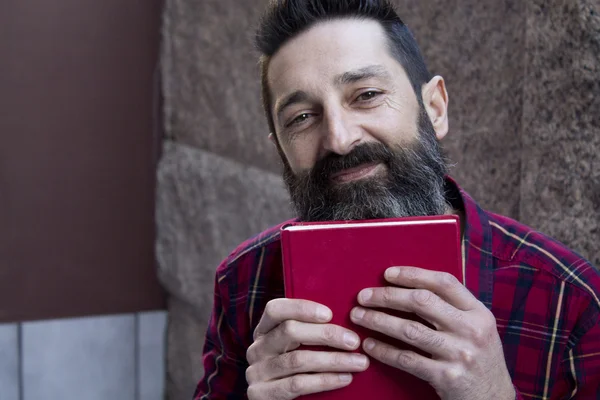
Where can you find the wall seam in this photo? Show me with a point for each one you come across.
(136, 356)
(20, 369)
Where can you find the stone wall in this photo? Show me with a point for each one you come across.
(525, 133)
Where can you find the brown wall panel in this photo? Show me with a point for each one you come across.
(77, 157)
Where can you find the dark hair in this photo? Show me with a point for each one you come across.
(285, 19)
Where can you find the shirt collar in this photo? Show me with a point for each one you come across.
(477, 248)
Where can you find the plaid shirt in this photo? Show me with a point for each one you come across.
(546, 300)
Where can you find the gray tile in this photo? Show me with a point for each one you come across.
(88, 358)
(151, 355)
(9, 362)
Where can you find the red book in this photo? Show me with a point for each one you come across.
(331, 262)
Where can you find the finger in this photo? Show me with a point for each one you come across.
(290, 334)
(422, 302)
(405, 360)
(298, 385)
(279, 310)
(414, 333)
(443, 284)
(303, 361)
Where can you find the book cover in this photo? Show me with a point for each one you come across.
(331, 262)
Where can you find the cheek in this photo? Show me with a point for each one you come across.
(301, 153)
(391, 123)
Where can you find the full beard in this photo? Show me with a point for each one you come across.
(412, 184)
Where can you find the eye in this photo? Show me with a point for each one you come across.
(298, 120)
(369, 95)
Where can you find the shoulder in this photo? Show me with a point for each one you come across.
(246, 256)
(516, 243)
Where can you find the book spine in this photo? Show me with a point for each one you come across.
(287, 264)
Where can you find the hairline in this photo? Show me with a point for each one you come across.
(265, 60)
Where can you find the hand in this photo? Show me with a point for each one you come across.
(467, 358)
(278, 371)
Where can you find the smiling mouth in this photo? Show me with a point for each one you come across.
(352, 174)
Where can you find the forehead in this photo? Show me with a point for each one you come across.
(328, 49)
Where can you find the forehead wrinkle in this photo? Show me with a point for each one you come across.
(371, 71)
(296, 89)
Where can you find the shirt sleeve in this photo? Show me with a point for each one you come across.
(579, 370)
(582, 365)
(224, 359)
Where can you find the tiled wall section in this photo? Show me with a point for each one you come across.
(9, 362)
(113, 357)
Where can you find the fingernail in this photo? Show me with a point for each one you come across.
(369, 344)
(358, 313)
(366, 294)
(345, 378)
(391, 273)
(359, 360)
(350, 339)
(323, 313)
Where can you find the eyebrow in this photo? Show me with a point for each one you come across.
(371, 71)
(293, 98)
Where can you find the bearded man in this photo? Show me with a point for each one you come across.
(357, 120)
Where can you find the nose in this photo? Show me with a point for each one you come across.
(340, 135)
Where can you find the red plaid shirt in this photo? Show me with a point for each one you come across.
(546, 300)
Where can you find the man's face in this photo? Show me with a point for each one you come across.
(354, 140)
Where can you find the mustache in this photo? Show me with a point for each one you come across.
(363, 154)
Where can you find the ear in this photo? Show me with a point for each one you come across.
(272, 138)
(435, 99)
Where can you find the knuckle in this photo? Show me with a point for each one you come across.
(452, 376)
(295, 385)
(449, 280)
(466, 357)
(404, 360)
(276, 363)
(432, 339)
(293, 360)
(253, 393)
(252, 353)
(272, 308)
(277, 392)
(288, 328)
(327, 381)
(338, 360)
(387, 295)
(251, 375)
(455, 315)
(377, 319)
(423, 297)
(478, 335)
(413, 331)
(328, 333)
(386, 353)
(481, 335)
(489, 320)
(437, 341)
(409, 362)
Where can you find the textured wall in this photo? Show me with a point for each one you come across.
(206, 205)
(523, 85)
(560, 174)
